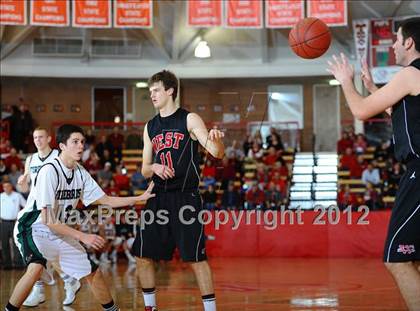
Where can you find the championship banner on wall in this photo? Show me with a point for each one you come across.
(283, 13)
(13, 12)
(133, 13)
(91, 13)
(382, 39)
(361, 38)
(243, 14)
(204, 13)
(50, 13)
(331, 12)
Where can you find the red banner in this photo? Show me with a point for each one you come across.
(92, 13)
(204, 13)
(13, 12)
(244, 14)
(50, 12)
(283, 13)
(133, 13)
(331, 12)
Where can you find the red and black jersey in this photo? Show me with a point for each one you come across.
(174, 147)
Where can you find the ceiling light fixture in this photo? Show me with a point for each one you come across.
(202, 50)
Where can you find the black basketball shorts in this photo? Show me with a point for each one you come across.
(403, 239)
(176, 224)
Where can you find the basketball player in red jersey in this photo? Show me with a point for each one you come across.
(171, 158)
(401, 98)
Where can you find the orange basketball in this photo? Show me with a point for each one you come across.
(310, 38)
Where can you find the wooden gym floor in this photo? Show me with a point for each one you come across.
(244, 284)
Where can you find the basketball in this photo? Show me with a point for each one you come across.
(310, 38)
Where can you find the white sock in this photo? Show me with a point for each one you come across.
(149, 295)
(67, 278)
(209, 302)
(39, 285)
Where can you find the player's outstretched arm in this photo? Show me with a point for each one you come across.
(211, 141)
(363, 108)
(126, 201)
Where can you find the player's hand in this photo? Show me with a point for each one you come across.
(147, 194)
(341, 69)
(22, 179)
(367, 77)
(93, 240)
(216, 134)
(163, 171)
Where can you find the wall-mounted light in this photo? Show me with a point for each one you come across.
(141, 85)
(202, 50)
(334, 82)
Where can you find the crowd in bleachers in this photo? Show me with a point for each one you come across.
(367, 174)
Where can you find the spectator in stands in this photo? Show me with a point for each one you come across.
(4, 146)
(112, 189)
(371, 175)
(3, 169)
(360, 145)
(234, 152)
(13, 158)
(348, 160)
(254, 197)
(344, 143)
(209, 173)
(134, 141)
(276, 143)
(14, 174)
(210, 198)
(103, 145)
(273, 198)
(280, 183)
(269, 138)
(16, 127)
(247, 145)
(107, 157)
(272, 156)
(256, 152)
(231, 198)
(258, 138)
(106, 173)
(92, 165)
(281, 167)
(138, 181)
(122, 181)
(28, 123)
(357, 169)
(382, 153)
(228, 172)
(261, 174)
(117, 141)
(396, 174)
(371, 197)
(345, 198)
(90, 138)
(88, 151)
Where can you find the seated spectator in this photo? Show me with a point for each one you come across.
(247, 145)
(92, 165)
(256, 152)
(360, 145)
(382, 153)
(3, 169)
(258, 139)
(112, 189)
(90, 138)
(234, 152)
(396, 174)
(210, 198)
(103, 145)
(281, 167)
(261, 174)
(345, 198)
(4, 146)
(107, 157)
(209, 173)
(348, 160)
(280, 182)
(270, 137)
(134, 140)
(13, 158)
(14, 174)
(138, 181)
(344, 143)
(371, 175)
(117, 140)
(105, 174)
(371, 197)
(272, 156)
(231, 198)
(276, 143)
(273, 197)
(254, 197)
(357, 169)
(228, 172)
(122, 181)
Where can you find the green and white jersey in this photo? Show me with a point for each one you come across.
(36, 162)
(59, 188)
